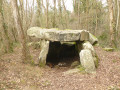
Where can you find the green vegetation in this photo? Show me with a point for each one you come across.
(42, 64)
(81, 69)
(32, 62)
(104, 39)
(113, 88)
(46, 83)
(114, 61)
(109, 49)
(96, 61)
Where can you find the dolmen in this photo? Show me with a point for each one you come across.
(81, 39)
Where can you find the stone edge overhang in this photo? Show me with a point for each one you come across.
(58, 35)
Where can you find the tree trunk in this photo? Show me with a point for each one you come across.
(87, 14)
(25, 50)
(112, 24)
(79, 24)
(32, 14)
(65, 11)
(60, 13)
(54, 18)
(26, 14)
(118, 15)
(39, 12)
(7, 44)
(96, 24)
(47, 18)
(21, 10)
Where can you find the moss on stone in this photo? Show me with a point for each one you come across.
(93, 39)
(93, 36)
(68, 43)
(75, 63)
(81, 69)
(68, 29)
(109, 49)
(54, 28)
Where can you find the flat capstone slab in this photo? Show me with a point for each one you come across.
(58, 35)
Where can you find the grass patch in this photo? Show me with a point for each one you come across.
(96, 61)
(113, 88)
(8, 85)
(114, 61)
(46, 83)
(32, 62)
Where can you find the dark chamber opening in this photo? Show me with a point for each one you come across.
(62, 53)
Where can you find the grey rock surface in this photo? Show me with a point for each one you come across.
(58, 35)
(74, 64)
(87, 61)
(92, 39)
(43, 53)
(88, 46)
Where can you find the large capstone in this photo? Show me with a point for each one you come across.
(59, 35)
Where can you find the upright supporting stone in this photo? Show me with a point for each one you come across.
(87, 61)
(87, 56)
(87, 45)
(43, 53)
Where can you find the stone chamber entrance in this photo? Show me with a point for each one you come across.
(62, 47)
(62, 53)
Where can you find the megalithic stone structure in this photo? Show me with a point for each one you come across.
(83, 39)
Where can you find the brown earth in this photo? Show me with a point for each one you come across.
(14, 75)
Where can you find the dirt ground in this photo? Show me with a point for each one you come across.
(14, 75)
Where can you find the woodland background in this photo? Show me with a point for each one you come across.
(101, 20)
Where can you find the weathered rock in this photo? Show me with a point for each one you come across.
(79, 46)
(62, 64)
(87, 45)
(84, 35)
(87, 61)
(93, 40)
(58, 35)
(78, 39)
(75, 63)
(71, 71)
(43, 53)
(81, 69)
(35, 45)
